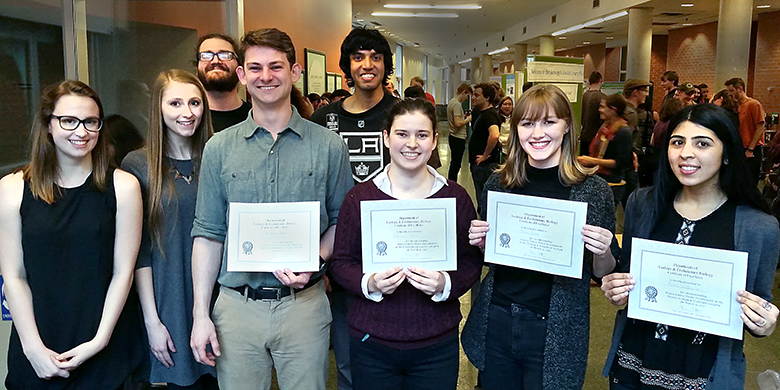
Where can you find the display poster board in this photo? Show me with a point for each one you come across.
(508, 82)
(315, 72)
(519, 81)
(564, 72)
(612, 87)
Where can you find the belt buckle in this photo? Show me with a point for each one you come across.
(278, 293)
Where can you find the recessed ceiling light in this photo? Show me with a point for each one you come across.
(424, 6)
(687, 24)
(465, 61)
(413, 15)
(609, 38)
(686, 5)
(586, 43)
(561, 37)
(763, 6)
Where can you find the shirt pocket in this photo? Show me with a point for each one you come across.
(241, 186)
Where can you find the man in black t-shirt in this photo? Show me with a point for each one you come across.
(483, 151)
(216, 62)
(358, 119)
(367, 62)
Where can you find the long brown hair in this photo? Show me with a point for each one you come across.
(43, 169)
(157, 145)
(535, 104)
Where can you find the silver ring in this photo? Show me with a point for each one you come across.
(763, 322)
(766, 305)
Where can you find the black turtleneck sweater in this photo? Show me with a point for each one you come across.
(530, 289)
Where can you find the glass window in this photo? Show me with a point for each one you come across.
(31, 57)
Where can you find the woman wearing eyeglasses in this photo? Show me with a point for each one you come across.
(70, 228)
(179, 126)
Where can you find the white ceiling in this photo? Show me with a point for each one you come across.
(438, 36)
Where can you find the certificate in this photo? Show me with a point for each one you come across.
(688, 287)
(264, 237)
(415, 232)
(539, 234)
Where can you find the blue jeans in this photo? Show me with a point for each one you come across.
(377, 367)
(514, 348)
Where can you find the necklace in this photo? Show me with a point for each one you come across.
(178, 175)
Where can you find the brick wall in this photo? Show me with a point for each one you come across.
(593, 57)
(658, 67)
(766, 83)
(691, 53)
(612, 64)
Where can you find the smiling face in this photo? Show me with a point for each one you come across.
(541, 139)
(606, 112)
(74, 144)
(507, 106)
(695, 155)
(411, 141)
(217, 75)
(368, 69)
(268, 75)
(182, 109)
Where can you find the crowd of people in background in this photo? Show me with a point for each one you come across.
(133, 233)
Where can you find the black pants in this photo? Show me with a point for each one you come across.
(457, 147)
(480, 173)
(754, 165)
(514, 348)
(377, 367)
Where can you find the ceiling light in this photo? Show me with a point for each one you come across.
(561, 37)
(763, 6)
(465, 61)
(687, 24)
(615, 16)
(503, 49)
(686, 5)
(609, 38)
(590, 23)
(586, 43)
(424, 6)
(413, 15)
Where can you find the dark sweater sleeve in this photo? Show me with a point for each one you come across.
(470, 258)
(346, 263)
(619, 149)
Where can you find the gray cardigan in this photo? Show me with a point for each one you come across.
(755, 232)
(568, 323)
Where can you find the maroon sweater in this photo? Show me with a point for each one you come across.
(407, 318)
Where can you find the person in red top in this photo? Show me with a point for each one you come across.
(751, 125)
(419, 82)
(403, 322)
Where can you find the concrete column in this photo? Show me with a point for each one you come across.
(521, 55)
(546, 46)
(640, 42)
(455, 81)
(476, 77)
(487, 67)
(733, 46)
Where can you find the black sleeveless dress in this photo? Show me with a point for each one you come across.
(68, 255)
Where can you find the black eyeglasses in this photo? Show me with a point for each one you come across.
(72, 123)
(222, 55)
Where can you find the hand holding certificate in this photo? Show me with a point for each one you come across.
(265, 237)
(417, 233)
(687, 286)
(539, 234)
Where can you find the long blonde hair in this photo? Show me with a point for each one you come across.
(43, 170)
(535, 104)
(157, 144)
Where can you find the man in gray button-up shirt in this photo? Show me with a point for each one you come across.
(261, 320)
